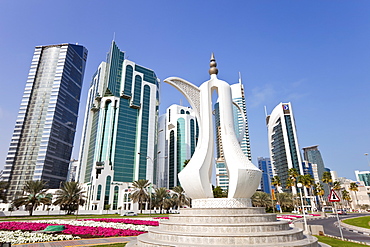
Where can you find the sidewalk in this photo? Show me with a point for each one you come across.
(80, 242)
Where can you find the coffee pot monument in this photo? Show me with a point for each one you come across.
(230, 221)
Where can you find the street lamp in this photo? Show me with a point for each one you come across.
(300, 185)
(367, 158)
(151, 184)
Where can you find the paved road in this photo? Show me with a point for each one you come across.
(80, 243)
(330, 227)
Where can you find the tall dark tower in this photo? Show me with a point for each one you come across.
(42, 141)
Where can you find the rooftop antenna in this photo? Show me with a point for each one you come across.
(180, 102)
(114, 36)
(240, 78)
(265, 111)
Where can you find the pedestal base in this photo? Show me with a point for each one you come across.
(222, 203)
(227, 226)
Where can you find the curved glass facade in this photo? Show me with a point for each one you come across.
(117, 143)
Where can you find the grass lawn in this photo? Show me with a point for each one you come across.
(360, 222)
(337, 242)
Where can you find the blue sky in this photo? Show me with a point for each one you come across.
(314, 54)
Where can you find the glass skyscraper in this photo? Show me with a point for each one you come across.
(176, 144)
(312, 154)
(240, 114)
(119, 135)
(283, 143)
(42, 141)
(264, 165)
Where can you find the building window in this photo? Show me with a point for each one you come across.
(107, 190)
(115, 198)
(98, 193)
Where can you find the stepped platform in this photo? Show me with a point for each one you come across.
(241, 226)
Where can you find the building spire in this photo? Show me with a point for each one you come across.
(240, 78)
(213, 66)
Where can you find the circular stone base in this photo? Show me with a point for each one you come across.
(222, 203)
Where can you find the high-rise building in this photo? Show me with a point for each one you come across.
(283, 143)
(120, 130)
(264, 164)
(240, 121)
(311, 169)
(41, 145)
(178, 133)
(312, 154)
(72, 170)
(363, 176)
(240, 117)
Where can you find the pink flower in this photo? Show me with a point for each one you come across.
(128, 221)
(70, 229)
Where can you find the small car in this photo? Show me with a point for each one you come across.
(342, 212)
(130, 214)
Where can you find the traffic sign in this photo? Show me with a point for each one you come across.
(333, 197)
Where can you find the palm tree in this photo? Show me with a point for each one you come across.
(319, 191)
(70, 196)
(35, 196)
(140, 193)
(275, 181)
(289, 183)
(337, 186)
(261, 199)
(293, 175)
(181, 199)
(161, 195)
(285, 200)
(307, 181)
(326, 178)
(346, 197)
(354, 187)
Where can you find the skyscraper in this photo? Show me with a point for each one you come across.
(119, 136)
(264, 164)
(42, 141)
(177, 144)
(283, 142)
(240, 119)
(312, 154)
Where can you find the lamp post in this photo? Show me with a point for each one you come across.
(300, 185)
(151, 184)
(367, 158)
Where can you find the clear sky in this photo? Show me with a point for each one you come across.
(314, 54)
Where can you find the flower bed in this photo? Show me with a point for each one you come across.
(22, 237)
(19, 232)
(127, 221)
(88, 223)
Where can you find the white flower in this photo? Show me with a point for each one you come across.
(19, 237)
